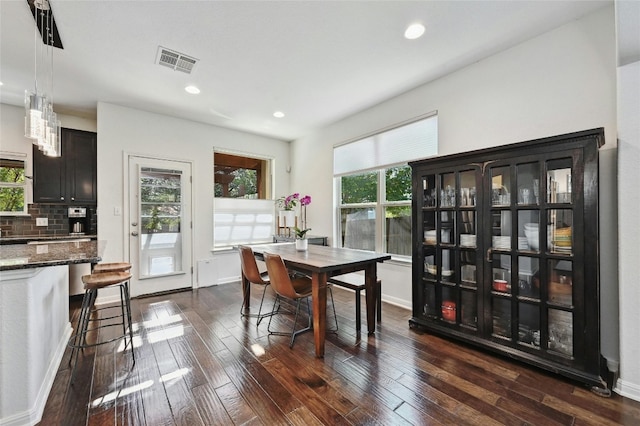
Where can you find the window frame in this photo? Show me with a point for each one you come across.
(243, 212)
(17, 156)
(379, 206)
(390, 147)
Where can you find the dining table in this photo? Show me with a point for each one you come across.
(321, 263)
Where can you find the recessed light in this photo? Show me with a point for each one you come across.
(192, 89)
(278, 114)
(414, 31)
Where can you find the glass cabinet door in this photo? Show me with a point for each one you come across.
(449, 248)
(531, 224)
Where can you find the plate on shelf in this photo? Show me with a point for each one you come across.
(563, 249)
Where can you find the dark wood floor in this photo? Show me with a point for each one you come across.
(198, 362)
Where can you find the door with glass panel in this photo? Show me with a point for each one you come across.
(160, 232)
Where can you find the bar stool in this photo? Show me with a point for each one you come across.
(92, 283)
(112, 267)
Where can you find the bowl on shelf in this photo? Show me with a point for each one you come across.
(500, 285)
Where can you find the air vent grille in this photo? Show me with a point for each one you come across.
(176, 60)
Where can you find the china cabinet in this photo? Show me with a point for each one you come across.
(505, 251)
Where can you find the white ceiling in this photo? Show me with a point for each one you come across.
(317, 61)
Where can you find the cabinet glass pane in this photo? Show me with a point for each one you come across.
(469, 309)
(500, 186)
(560, 232)
(501, 273)
(449, 305)
(501, 313)
(468, 229)
(467, 189)
(561, 282)
(468, 274)
(529, 285)
(429, 226)
(528, 183)
(429, 190)
(528, 282)
(429, 301)
(529, 326)
(501, 230)
(448, 190)
(430, 268)
(529, 230)
(447, 227)
(559, 187)
(448, 274)
(561, 331)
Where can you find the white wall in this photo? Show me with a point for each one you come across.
(125, 130)
(628, 28)
(559, 82)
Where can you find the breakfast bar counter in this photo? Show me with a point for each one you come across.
(34, 321)
(51, 253)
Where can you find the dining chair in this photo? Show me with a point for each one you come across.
(253, 275)
(295, 287)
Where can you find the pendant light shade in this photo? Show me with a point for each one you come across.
(41, 124)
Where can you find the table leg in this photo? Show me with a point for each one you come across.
(370, 279)
(319, 299)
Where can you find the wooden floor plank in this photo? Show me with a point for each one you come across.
(198, 361)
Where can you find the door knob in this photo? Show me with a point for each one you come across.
(134, 233)
(134, 223)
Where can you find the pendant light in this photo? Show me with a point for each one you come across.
(40, 123)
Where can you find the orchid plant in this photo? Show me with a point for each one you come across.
(301, 233)
(290, 201)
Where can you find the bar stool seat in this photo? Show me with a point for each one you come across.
(102, 317)
(112, 267)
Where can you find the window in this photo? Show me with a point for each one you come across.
(385, 193)
(374, 186)
(12, 184)
(243, 206)
(237, 176)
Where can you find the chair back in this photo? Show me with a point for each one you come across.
(249, 266)
(279, 276)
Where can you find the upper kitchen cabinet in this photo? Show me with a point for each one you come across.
(70, 178)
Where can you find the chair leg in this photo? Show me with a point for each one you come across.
(295, 322)
(333, 305)
(271, 316)
(128, 303)
(379, 301)
(260, 316)
(358, 311)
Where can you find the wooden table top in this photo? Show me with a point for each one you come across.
(321, 258)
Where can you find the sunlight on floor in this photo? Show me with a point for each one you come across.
(166, 334)
(119, 394)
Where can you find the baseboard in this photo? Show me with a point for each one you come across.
(34, 415)
(628, 389)
(401, 303)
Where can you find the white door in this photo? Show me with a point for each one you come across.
(160, 231)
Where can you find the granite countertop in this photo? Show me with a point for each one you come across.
(23, 239)
(24, 256)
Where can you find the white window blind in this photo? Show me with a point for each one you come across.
(242, 221)
(412, 141)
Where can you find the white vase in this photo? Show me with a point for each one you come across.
(302, 244)
(287, 218)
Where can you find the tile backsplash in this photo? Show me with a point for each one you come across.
(18, 226)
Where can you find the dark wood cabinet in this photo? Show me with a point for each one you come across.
(505, 251)
(70, 178)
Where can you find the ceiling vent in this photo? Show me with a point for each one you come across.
(175, 60)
